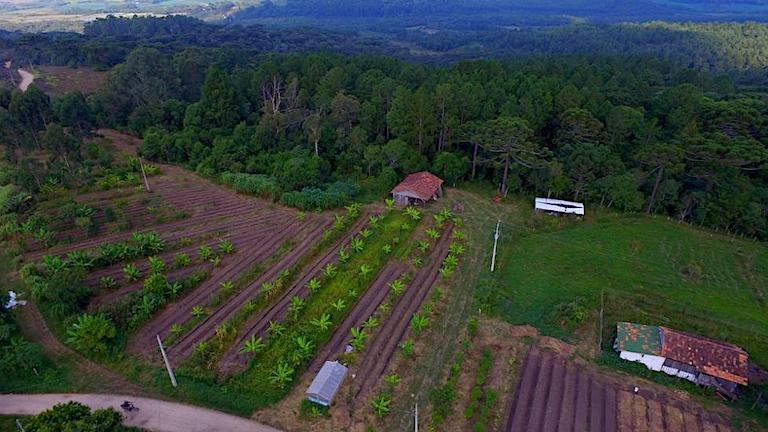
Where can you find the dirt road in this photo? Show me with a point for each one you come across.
(153, 414)
(26, 79)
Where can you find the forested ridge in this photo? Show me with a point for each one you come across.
(317, 130)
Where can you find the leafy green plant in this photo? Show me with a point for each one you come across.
(357, 244)
(390, 203)
(374, 221)
(215, 261)
(181, 260)
(417, 262)
(156, 265)
(329, 270)
(339, 304)
(323, 322)
(297, 304)
(366, 233)
(392, 380)
(206, 252)
(90, 333)
(413, 213)
(387, 249)
(397, 286)
(81, 259)
(370, 323)
(432, 233)
(275, 328)
(407, 347)
(343, 255)
(314, 285)
(365, 270)
(304, 347)
(422, 245)
(456, 248)
(301, 215)
(107, 282)
(381, 405)
(226, 247)
(176, 329)
(253, 345)
(459, 235)
(227, 286)
(131, 272)
(419, 323)
(282, 374)
(198, 311)
(358, 338)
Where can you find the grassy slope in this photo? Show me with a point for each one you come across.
(653, 271)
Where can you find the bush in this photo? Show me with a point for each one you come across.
(90, 333)
(333, 196)
(252, 184)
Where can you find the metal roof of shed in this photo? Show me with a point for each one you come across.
(638, 338)
(327, 382)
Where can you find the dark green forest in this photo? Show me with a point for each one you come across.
(630, 133)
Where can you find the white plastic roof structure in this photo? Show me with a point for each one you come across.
(559, 206)
(326, 383)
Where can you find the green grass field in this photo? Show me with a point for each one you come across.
(652, 270)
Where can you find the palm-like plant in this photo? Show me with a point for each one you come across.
(226, 246)
(131, 272)
(198, 311)
(343, 255)
(275, 328)
(353, 209)
(407, 347)
(357, 244)
(365, 270)
(366, 233)
(297, 304)
(419, 323)
(156, 265)
(374, 220)
(253, 345)
(358, 338)
(456, 248)
(392, 379)
(314, 285)
(352, 292)
(450, 261)
(446, 272)
(459, 235)
(432, 233)
(304, 347)
(323, 322)
(390, 203)
(387, 249)
(227, 286)
(423, 245)
(397, 286)
(282, 374)
(176, 329)
(413, 213)
(206, 252)
(339, 222)
(370, 323)
(107, 282)
(405, 226)
(54, 264)
(329, 270)
(181, 260)
(339, 304)
(381, 405)
(81, 259)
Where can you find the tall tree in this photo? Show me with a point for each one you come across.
(510, 139)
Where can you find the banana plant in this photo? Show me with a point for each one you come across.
(357, 244)
(397, 286)
(275, 328)
(304, 347)
(329, 270)
(131, 272)
(156, 265)
(432, 233)
(374, 220)
(206, 253)
(81, 259)
(176, 329)
(419, 323)
(459, 235)
(366, 233)
(450, 261)
(413, 213)
(387, 249)
(365, 270)
(381, 405)
(422, 245)
(107, 282)
(181, 260)
(456, 248)
(282, 374)
(343, 255)
(392, 380)
(227, 286)
(54, 264)
(323, 322)
(339, 304)
(314, 285)
(226, 246)
(358, 338)
(198, 311)
(370, 323)
(297, 304)
(253, 345)
(390, 203)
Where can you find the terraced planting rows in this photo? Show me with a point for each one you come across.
(384, 345)
(556, 394)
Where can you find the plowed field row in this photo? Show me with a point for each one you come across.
(384, 344)
(557, 395)
(233, 359)
(207, 328)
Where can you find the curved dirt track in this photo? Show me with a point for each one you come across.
(384, 344)
(153, 414)
(27, 78)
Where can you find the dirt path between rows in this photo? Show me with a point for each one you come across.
(153, 414)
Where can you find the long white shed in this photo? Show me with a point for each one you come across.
(550, 205)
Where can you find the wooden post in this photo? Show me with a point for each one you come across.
(167, 364)
(600, 333)
(144, 173)
(495, 243)
(416, 418)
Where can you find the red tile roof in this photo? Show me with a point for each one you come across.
(715, 358)
(424, 185)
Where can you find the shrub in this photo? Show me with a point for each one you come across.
(252, 184)
(131, 272)
(181, 260)
(90, 333)
(381, 405)
(226, 246)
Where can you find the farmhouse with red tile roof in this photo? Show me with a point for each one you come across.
(418, 188)
(698, 359)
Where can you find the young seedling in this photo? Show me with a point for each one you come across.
(381, 405)
(323, 322)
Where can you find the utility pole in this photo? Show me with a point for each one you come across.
(144, 173)
(495, 243)
(416, 418)
(167, 364)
